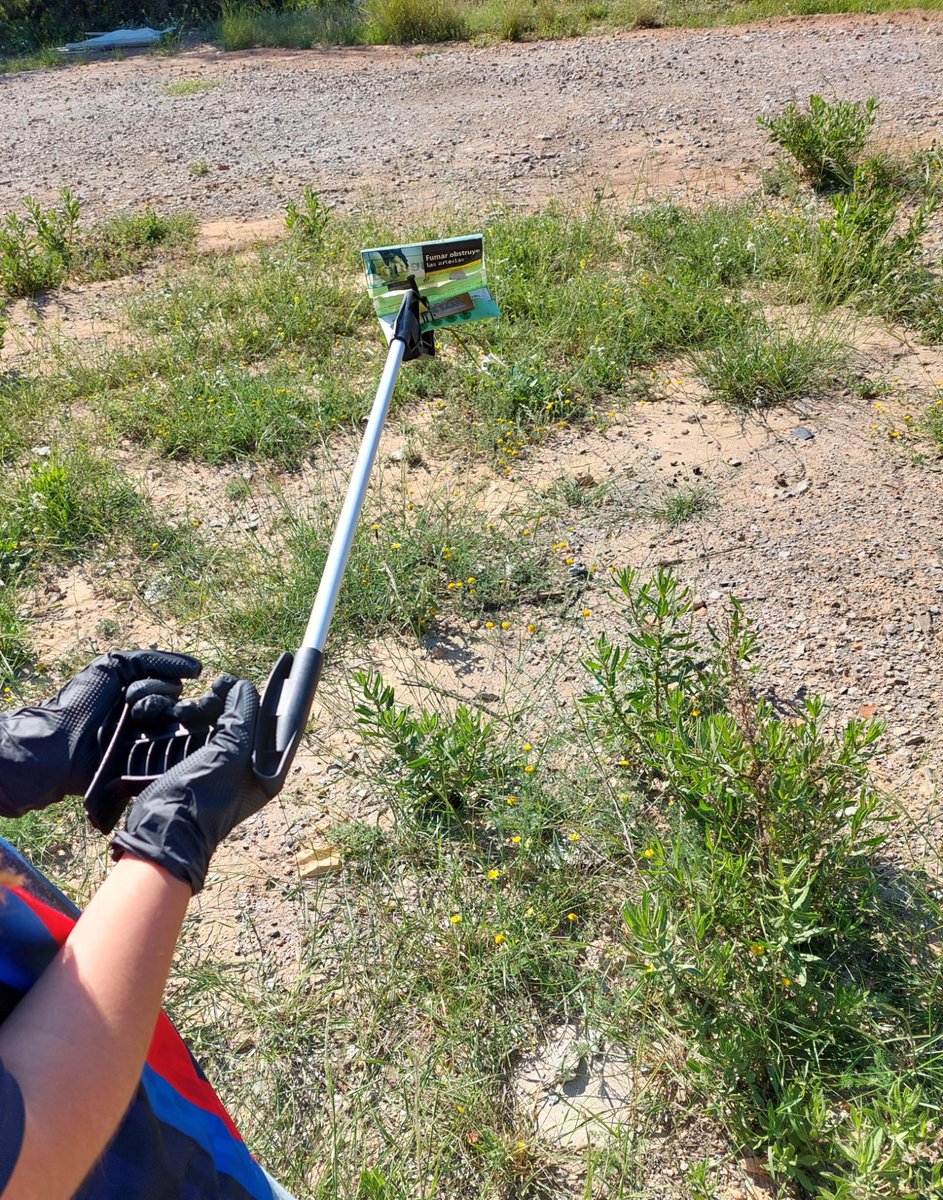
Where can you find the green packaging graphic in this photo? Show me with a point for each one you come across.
(450, 275)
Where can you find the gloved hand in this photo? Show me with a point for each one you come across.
(180, 819)
(51, 751)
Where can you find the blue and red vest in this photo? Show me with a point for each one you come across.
(176, 1142)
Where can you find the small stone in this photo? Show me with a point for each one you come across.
(802, 487)
(801, 434)
(321, 861)
(915, 739)
(396, 455)
(734, 462)
(923, 622)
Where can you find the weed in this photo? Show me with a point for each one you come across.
(123, 243)
(459, 763)
(864, 252)
(308, 223)
(682, 504)
(36, 250)
(232, 413)
(409, 21)
(243, 26)
(40, 250)
(190, 87)
(719, 243)
(761, 366)
(238, 489)
(409, 569)
(198, 169)
(46, 56)
(827, 140)
(13, 650)
(765, 932)
(933, 422)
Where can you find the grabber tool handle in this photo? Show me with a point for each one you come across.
(131, 759)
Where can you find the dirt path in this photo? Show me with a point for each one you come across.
(657, 109)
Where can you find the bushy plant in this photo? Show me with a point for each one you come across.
(760, 365)
(309, 220)
(865, 252)
(826, 140)
(766, 932)
(446, 763)
(36, 250)
(409, 21)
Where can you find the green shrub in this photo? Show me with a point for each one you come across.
(36, 250)
(765, 931)
(309, 221)
(405, 22)
(864, 252)
(760, 365)
(459, 763)
(243, 26)
(826, 141)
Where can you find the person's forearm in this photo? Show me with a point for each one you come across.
(77, 1041)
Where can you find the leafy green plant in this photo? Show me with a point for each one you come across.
(309, 221)
(763, 932)
(826, 140)
(36, 250)
(456, 763)
(761, 365)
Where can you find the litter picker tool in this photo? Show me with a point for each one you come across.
(415, 289)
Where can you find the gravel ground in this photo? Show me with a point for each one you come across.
(655, 109)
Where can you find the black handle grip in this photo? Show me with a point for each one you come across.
(132, 759)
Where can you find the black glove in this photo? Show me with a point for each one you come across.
(52, 750)
(180, 819)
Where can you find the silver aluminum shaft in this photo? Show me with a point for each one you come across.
(325, 601)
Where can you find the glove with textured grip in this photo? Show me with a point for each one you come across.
(51, 750)
(180, 819)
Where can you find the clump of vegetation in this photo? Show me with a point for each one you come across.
(410, 21)
(40, 250)
(762, 365)
(684, 503)
(190, 87)
(767, 934)
(826, 140)
(37, 250)
(864, 252)
(298, 27)
(309, 220)
(410, 568)
(933, 421)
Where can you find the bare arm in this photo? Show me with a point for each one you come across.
(77, 1041)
